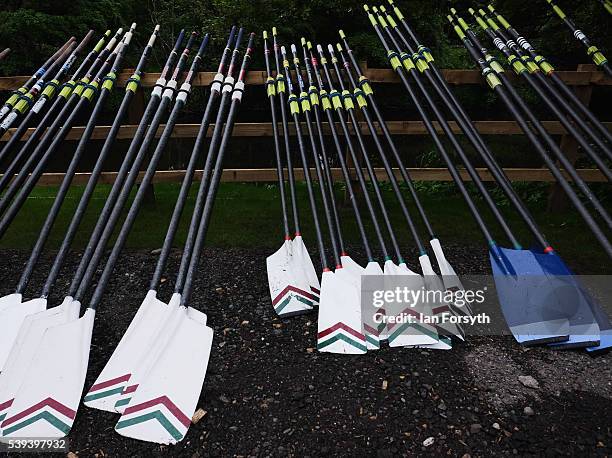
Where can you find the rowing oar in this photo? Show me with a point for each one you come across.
(16, 95)
(13, 316)
(521, 69)
(56, 133)
(112, 389)
(140, 367)
(407, 334)
(26, 100)
(34, 326)
(289, 287)
(516, 271)
(594, 53)
(346, 312)
(4, 53)
(98, 87)
(557, 104)
(301, 256)
(176, 383)
(343, 105)
(64, 379)
(40, 108)
(164, 91)
(431, 281)
(583, 329)
(355, 271)
(343, 337)
(549, 71)
(607, 4)
(449, 276)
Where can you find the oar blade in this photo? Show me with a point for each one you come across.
(133, 347)
(529, 304)
(340, 324)
(164, 403)
(403, 334)
(449, 276)
(47, 401)
(26, 346)
(370, 328)
(289, 288)
(12, 316)
(303, 260)
(579, 307)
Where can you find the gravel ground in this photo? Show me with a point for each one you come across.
(268, 392)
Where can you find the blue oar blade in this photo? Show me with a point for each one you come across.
(575, 302)
(528, 302)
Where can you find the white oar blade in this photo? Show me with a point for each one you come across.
(162, 407)
(449, 276)
(9, 301)
(289, 287)
(132, 348)
(48, 399)
(26, 346)
(156, 346)
(302, 259)
(340, 327)
(442, 309)
(408, 333)
(11, 318)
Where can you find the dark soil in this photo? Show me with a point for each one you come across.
(268, 392)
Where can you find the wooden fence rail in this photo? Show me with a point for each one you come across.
(583, 80)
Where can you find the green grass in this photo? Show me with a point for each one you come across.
(248, 215)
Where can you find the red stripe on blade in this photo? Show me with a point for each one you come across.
(111, 382)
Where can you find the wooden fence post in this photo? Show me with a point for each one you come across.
(557, 200)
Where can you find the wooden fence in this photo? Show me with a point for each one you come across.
(583, 80)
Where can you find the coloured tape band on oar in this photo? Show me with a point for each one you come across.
(65, 382)
(177, 382)
(349, 266)
(40, 304)
(84, 105)
(594, 53)
(14, 97)
(581, 321)
(549, 71)
(115, 379)
(289, 288)
(54, 135)
(303, 262)
(504, 263)
(553, 100)
(450, 277)
(419, 334)
(41, 107)
(519, 68)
